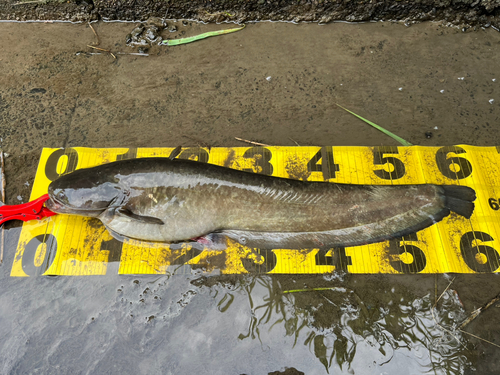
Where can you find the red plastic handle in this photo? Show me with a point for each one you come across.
(33, 210)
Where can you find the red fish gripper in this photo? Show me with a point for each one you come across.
(34, 210)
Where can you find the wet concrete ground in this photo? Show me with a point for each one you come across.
(278, 84)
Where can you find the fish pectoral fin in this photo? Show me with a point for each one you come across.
(122, 211)
(175, 152)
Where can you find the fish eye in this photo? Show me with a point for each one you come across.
(61, 196)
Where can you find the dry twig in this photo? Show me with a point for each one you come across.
(97, 36)
(252, 142)
(477, 337)
(102, 49)
(444, 291)
(476, 312)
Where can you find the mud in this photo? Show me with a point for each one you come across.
(278, 84)
(464, 13)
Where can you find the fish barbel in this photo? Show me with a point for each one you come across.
(172, 200)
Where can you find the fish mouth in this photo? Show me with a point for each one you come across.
(55, 206)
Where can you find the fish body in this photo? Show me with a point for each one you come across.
(172, 200)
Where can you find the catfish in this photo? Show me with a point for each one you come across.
(175, 200)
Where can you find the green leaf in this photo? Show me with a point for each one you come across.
(176, 42)
(378, 127)
(335, 289)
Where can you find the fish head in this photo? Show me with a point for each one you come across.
(83, 193)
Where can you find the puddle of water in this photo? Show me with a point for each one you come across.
(220, 325)
(348, 335)
(192, 324)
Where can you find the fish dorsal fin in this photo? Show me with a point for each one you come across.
(122, 211)
(175, 152)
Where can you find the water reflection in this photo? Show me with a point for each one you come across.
(386, 332)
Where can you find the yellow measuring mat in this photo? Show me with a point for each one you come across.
(74, 245)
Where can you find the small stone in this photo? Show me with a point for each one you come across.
(137, 31)
(428, 135)
(491, 101)
(152, 33)
(156, 21)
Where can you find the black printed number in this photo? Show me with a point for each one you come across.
(324, 257)
(479, 258)
(53, 161)
(114, 249)
(262, 156)
(329, 168)
(494, 204)
(180, 257)
(267, 264)
(195, 153)
(130, 154)
(379, 158)
(453, 167)
(411, 258)
(39, 254)
(336, 257)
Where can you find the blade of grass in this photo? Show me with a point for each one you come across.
(335, 289)
(378, 127)
(176, 42)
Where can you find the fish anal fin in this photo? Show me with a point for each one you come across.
(123, 211)
(212, 241)
(116, 235)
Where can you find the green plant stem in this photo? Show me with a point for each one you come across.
(175, 42)
(378, 127)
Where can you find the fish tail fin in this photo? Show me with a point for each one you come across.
(459, 199)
